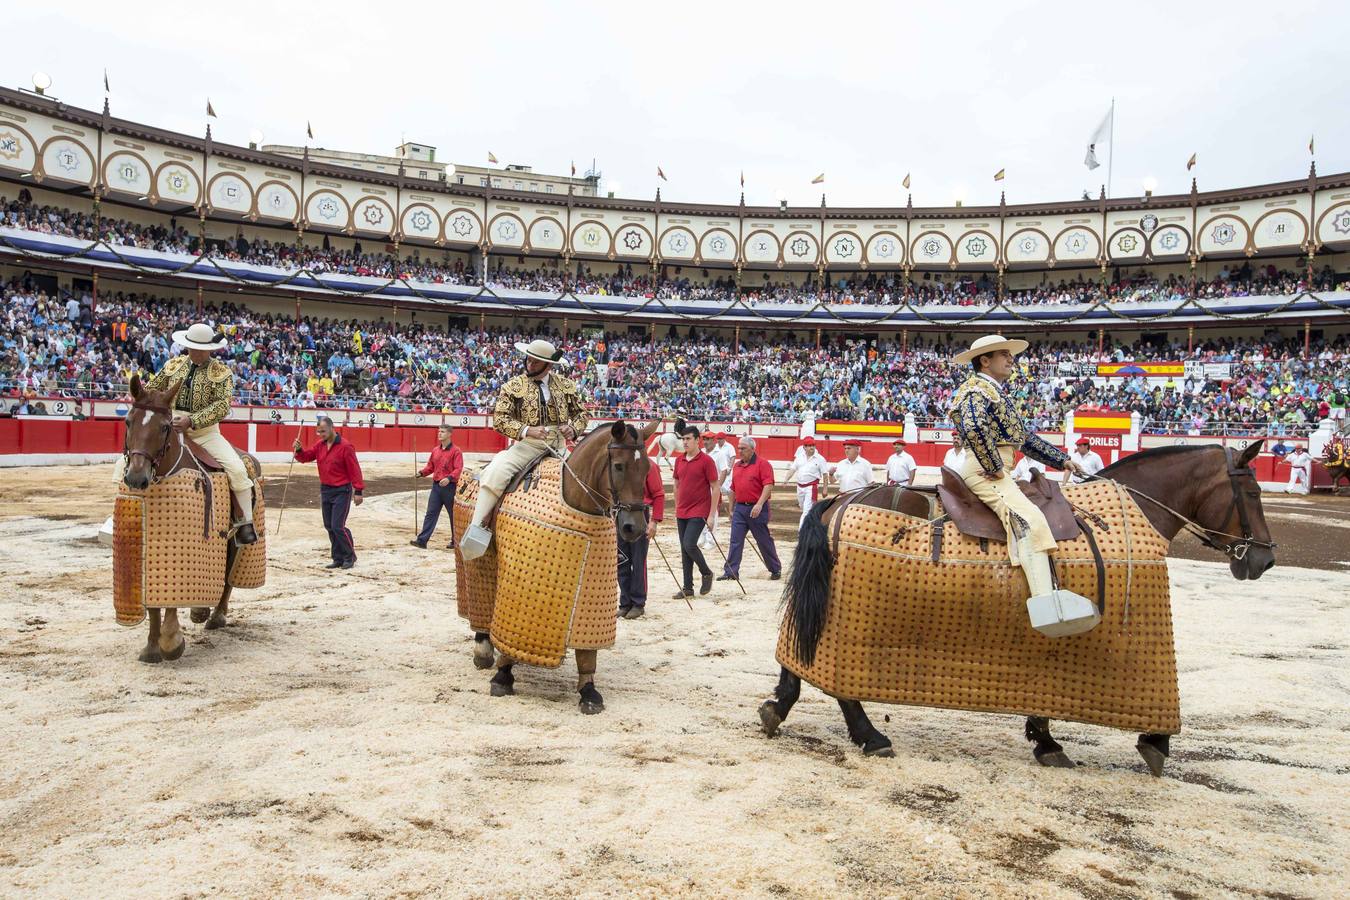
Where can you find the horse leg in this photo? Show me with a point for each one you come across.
(171, 640)
(591, 701)
(773, 712)
(1047, 751)
(199, 614)
(1154, 748)
(861, 732)
(217, 619)
(150, 652)
(483, 654)
(503, 683)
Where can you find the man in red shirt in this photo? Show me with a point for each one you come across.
(695, 494)
(751, 485)
(340, 485)
(633, 554)
(444, 466)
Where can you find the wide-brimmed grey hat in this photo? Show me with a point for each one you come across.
(542, 350)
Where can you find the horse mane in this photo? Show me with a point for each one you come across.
(1156, 452)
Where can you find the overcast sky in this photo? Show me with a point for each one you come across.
(950, 92)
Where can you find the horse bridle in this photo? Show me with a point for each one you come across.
(1236, 547)
(158, 458)
(615, 506)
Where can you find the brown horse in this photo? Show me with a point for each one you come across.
(605, 475)
(153, 450)
(1209, 491)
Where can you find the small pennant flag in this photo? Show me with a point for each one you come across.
(309, 130)
(210, 110)
(660, 174)
(574, 169)
(1190, 163)
(998, 176)
(492, 158)
(106, 89)
(905, 183)
(819, 179)
(742, 178)
(1310, 145)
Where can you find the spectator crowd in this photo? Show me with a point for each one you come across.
(870, 288)
(71, 346)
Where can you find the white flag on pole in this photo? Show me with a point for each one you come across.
(1100, 135)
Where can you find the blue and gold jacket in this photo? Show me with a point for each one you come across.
(986, 418)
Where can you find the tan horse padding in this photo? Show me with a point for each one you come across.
(161, 558)
(954, 634)
(548, 581)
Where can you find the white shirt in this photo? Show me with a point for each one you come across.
(809, 468)
(1300, 459)
(901, 467)
(1025, 466)
(853, 474)
(955, 459)
(724, 456)
(1090, 461)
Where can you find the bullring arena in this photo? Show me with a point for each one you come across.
(336, 738)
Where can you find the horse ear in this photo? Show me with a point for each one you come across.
(1250, 453)
(172, 393)
(649, 429)
(135, 385)
(618, 430)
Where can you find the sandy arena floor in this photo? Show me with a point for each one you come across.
(335, 740)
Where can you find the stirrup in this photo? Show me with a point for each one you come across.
(474, 542)
(1062, 613)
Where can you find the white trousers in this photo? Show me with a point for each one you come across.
(1298, 480)
(213, 442)
(505, 466)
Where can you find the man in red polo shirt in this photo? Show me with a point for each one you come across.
(340, 485)
(751, 485)
(444, 468)
(695, 494)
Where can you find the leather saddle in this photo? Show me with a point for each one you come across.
(972, 517)
(199, 453)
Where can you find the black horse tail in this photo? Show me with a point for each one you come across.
(807, 593)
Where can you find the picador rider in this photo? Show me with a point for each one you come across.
(540, 410)
(203, 401)
(993, 430)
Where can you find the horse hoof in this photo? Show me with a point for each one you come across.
(199, 614)
(882, 750)
(1155, 758)
(177, 651)
(150, 654)
(503, 684)
(216, 621)
(591, 702)
(769, 719)
(1056, 759)
(483, 658)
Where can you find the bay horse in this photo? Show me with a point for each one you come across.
(604, 475)
(1208, 490)
(152, 451)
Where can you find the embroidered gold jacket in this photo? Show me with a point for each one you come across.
(518, 406)
(206, 394)
(987, 418)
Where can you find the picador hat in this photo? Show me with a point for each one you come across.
(543, 351)
(990, 343)
(200, 337)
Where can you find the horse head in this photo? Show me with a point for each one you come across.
(609, 470)
(1232, 507)
(149, 431)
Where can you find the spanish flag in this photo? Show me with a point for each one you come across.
(492, 158)
(998, 176)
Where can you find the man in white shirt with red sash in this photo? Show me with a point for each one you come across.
(808, 471)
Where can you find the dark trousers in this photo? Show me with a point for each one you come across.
(633, 572)
(742, 521)
(337, 502)
(438, 498)
(690, 554)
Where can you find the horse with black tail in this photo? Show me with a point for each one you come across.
(958, 641)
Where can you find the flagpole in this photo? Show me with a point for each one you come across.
(1111, 157)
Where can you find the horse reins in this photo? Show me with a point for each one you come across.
(1236, 547)
(614, 506)
(158, 458)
